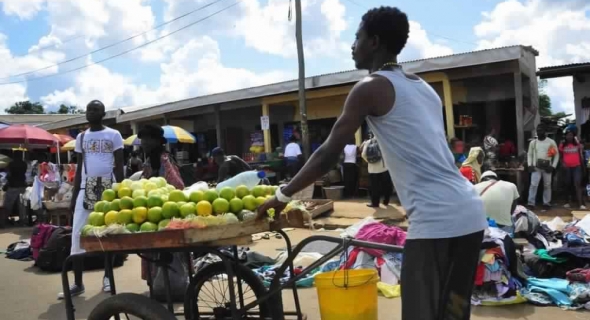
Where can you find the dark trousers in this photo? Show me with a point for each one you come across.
(350, 172)
(438, 276)
(381, 187)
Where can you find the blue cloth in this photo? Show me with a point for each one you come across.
(557, 290)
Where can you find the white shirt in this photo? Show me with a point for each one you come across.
(292, 150)
(439, 202)
(350, 153)
(98, 147)
(538, 150)
(497, 200)
(377, 167)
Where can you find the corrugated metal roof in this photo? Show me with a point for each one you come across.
(568, 66)
(35, 119)
(75, 121)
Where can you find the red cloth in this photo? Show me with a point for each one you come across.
(351, 259)
(479, 274)
(507, 149)
(168, 170)
(380, 233)
(468, 173)
(571, 154)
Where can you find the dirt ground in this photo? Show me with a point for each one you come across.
(28, 294)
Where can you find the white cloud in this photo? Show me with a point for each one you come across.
(419, 46)
(557, 29)
(12, 65)
(194, 69)
(24, 9)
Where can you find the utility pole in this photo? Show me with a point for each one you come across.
(301, 63)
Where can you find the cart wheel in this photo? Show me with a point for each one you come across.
(207, 295)
(134, 306)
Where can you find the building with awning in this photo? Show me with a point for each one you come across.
(580, 73)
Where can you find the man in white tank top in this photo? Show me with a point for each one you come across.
(446, 215)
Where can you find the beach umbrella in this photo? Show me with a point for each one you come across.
(25, 136)
(172, 134)
(63, 138)
(69, 146)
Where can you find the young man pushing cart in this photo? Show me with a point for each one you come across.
(446, 215)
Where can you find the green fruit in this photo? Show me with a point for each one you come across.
(220, 206)
(187, 209)
(133, 227)
(148, 227)
(236, 205)
(140, 201)
(154, 201)
(154, 214)
(115, 205)
(126, 203)
(177, 196)
(99, 206)
(125, 217)
(170, 209)
(197, 196)
(250, 203)
(109, 195)
(227, 193)
(259, 191)
(96, 219)
(163, 224)
(211, 195)
(242, 191)
(86, 230)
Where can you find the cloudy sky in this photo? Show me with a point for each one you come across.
(60, 51)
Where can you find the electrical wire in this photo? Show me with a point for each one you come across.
(126, 51)
(427, 32)
(112, 44)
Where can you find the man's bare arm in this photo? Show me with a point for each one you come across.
(361, 102)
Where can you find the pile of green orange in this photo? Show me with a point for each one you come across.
(149, 205)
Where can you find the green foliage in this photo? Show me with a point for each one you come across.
(25, 107)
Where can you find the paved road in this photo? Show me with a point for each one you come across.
(28, 294)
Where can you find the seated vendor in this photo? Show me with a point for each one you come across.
(471, 167)
(499, 199)
(229, 166)
(159, 162)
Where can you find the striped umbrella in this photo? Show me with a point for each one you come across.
(69, 146)
(172, 134)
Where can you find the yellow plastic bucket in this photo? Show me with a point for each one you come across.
(348, 295)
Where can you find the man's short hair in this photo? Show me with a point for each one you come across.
(152, 131)
(391, 26)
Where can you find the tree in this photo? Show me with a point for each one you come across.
(63, 109)
(26, 107)
(544, 100)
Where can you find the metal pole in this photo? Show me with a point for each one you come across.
(301, 63)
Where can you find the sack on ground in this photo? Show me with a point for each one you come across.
(20, 250)
(178, 276)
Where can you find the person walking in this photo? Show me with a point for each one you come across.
(446, 215)
(99, 152)
(380, 185)
(542, 159)
(292, 156)
(571, 152)
(350, 170)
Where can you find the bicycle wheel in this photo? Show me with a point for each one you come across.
(207, 295)
(130, 306)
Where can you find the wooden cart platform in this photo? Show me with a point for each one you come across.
(215, 236)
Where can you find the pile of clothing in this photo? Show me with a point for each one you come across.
(498, 279)
(560, 292)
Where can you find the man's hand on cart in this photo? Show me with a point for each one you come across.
(264, 211)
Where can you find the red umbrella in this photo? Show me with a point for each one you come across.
(26, 136)
(62, 138)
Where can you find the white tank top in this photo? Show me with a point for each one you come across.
(439, 202)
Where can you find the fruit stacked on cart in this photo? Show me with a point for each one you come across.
(154, 205)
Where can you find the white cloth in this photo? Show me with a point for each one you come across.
(439, 201)
(350, 152)
(498, 199)
(99, 147)
(538, 151)
(377, 167)
(535, 179)
(292, 150)
(80, 218)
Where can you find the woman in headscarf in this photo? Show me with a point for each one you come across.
(471, 168)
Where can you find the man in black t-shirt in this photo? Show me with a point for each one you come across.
(229, 166)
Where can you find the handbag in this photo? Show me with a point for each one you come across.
(541, 163)
(95, 186)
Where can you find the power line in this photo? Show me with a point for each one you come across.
(126, 51)
(112, 44)
(430, 33)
